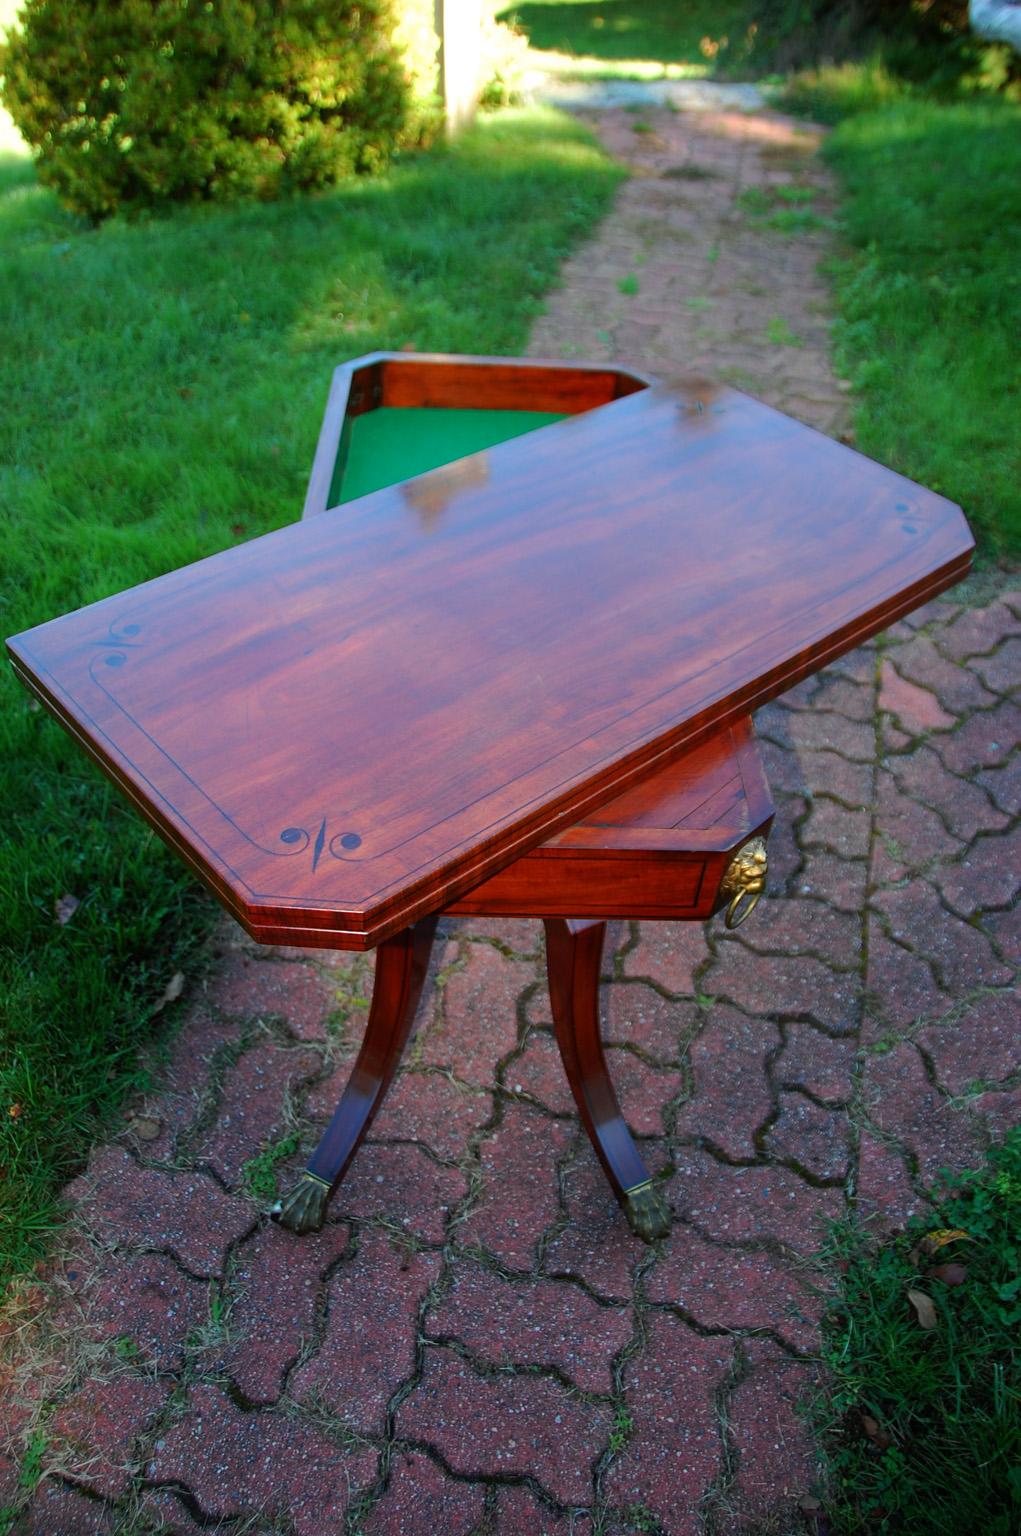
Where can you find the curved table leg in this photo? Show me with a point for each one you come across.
(573, 953)
(401, 964)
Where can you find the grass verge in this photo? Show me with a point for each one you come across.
(930, 297)
(170, 375)
(923, 1420)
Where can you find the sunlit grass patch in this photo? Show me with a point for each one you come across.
(930, 302)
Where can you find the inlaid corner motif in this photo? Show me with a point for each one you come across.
(117, 640)
(340, 846)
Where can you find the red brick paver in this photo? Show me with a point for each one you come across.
(476, 1344)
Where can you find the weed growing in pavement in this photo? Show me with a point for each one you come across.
(259, 1173)
(779, 333)
(620, 1434)
(782, 208)
(795, 221)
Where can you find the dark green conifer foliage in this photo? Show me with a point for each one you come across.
(138, 103)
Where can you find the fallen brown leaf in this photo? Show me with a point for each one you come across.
(924, 1309)
(950, 1274)
(171, 992)
(145, 1127)
(874, 1431)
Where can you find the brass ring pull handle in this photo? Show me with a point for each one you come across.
(735, 914)
(744, 881)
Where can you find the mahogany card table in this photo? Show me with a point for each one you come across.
(505, 663)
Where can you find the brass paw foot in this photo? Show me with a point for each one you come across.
(304, 1209)
(648, 1214)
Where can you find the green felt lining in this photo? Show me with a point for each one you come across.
(391, 444)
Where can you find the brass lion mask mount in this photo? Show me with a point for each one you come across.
(744, 881)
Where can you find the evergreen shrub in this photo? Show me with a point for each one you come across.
(137, 103)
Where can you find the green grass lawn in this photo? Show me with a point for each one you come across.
(647, 35)
(930, 300)
(164, 381)
(922, 1418)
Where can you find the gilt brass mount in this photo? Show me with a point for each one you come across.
(744, 880)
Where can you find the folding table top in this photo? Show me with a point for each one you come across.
(350, 722)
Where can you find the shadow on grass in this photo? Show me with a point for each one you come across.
(664, 31)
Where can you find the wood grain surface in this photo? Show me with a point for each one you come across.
(353, 721)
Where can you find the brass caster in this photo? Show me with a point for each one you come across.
(304, 1209)
(648, 1214)
(744, 881)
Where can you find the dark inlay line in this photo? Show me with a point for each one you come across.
(320, 842)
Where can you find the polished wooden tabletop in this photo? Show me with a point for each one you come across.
(352, 721)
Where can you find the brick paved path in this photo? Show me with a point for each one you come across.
(475, 1344)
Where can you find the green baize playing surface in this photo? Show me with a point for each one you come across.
(392, 444)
